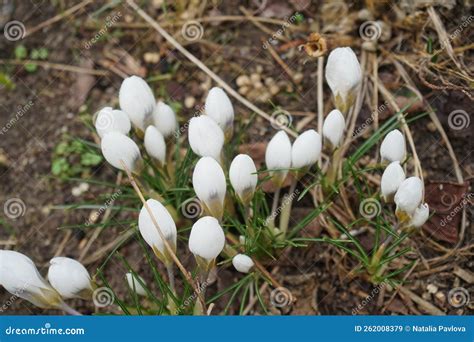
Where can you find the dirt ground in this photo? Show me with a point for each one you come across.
(39, 108)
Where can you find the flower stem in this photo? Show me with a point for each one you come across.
(271, 218)
(67, 309)
(286, 209)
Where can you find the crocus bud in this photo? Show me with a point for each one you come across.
(150, 233)
(243, 177)
(137, 100)
(343, 74)
(164, 119)
(110, 120)
(420, 216)
(135, 284)
(242, 263)
(408, 197)
(20, 277)
(306, 149)
(333, 127)
(393, 147)
(219, 107)
(278, 157)
(155, 144)
(117, 147)
(70, 278)
(205, 137)
(206, 240)
(210, 186)
(392, 177)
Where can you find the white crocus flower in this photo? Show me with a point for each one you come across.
(393, 147)
(112, 120)
(210, 186)
(164, 119)
(408, 197)
(344, 75)
(306, 149)
(333, 127)
(136, 284)
(137, 100)
(242, 263)
(70, 278)
(392, 177)
(243, 177)
(420, 216)
(117, 147)
(206, 240)
(155, 144)
(205, 137)
(150, 233)
(219, 107)
(278, 157)
(20, 277)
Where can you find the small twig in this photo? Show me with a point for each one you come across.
(153, 23)
(56, 66)
(283, 65)
(58, 17)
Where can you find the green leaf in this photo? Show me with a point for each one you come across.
(21, 52)
(31, 67)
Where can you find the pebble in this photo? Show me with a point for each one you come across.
(189, 101)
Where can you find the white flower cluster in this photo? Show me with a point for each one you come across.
(406, 192)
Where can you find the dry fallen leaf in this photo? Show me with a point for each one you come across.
(447, 201)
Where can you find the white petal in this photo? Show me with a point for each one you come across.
(69, 277)
(393, 146)
(205, 137)
(420, 216)
(135, 284)
(333, 127)
(149, 231)
(219, 108)
(209, 182)
(243, 176)
(306, 149)
(137, 100)
(117, 147)
(242, 263)
(20, 277)
(155, 144)
(392, 177)
(278, 156)
(109, 120)
(409, 195)
(343, 72)
(207, 238)
(164, 119)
